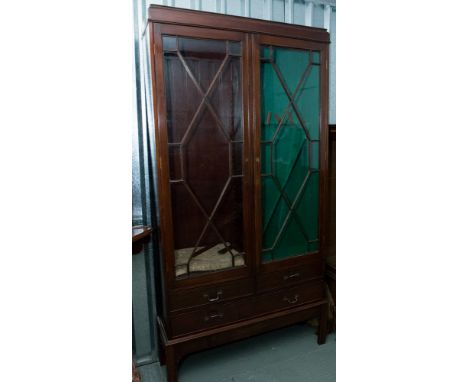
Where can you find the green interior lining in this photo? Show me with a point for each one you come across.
(290, 151)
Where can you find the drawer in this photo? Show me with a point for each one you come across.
(211, 316)
(209, 294)
(301, 294)
(290, 276)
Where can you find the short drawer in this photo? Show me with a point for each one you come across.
(301, 294)
(209, 294)
(290, 276)
(211, 316)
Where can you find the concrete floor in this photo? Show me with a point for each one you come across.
(286, 355)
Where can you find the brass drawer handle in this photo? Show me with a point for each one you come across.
(294, 275)
(214, 316)
(213, 299)
(291, 300)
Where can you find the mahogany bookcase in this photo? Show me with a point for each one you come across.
(241, 127)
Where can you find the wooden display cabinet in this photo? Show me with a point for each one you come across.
(241, 119)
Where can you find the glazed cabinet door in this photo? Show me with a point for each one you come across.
(290, 144)
(203, 152)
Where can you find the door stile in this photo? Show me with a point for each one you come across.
(249, 144)
(324, 148)
(256, 130)
(164, 194)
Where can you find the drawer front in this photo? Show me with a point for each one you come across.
(291, 275)
(290, 297)
(211, 316)
(209, 294)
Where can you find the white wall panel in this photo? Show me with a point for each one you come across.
(278, 10)
(234, 7)
(299, 12)
(208, 5)
(318, 16)
(183, 4)
(256, 9)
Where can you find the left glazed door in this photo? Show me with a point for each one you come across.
(204, 149)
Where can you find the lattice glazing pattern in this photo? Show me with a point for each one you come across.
(290, 94)
(205, 140)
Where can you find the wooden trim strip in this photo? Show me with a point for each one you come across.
(197, 32)
(168, 15)
(140, 232)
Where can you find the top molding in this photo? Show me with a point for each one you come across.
(169, 15)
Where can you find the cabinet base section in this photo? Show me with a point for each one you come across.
(172, 351)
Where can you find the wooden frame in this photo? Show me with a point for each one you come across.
(163, 161)
(246, 298)
(259, 40)
(170, 15)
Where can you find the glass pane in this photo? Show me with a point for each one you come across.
(274, 102)
(182, 98)
(314, 152)
(203, 58)
(237, 154)
(226, 99)
(205, 137)
(175, 165)
(290, 153)
(266, 158)
(169, 43)
(307, 102)
(265, 53)
(234, 48)
(316, 58)
(292, 63)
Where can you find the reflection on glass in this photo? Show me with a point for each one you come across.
(290, 152)
(205, 137)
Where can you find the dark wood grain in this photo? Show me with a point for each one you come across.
(213, 315)
(331, 275)
(324, 151)
(169, 15)
(292, 296)
(141, 235)
(240, 330)
(312, 268)
(214, 292)
(332, 193)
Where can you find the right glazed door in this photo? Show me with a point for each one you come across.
(288, 136)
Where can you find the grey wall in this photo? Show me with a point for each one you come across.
(144, 212)
(321, 13)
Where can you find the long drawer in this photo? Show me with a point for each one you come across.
(212, 315)
(284, 278)
(223, 313)
(209, 294)
(286, 298)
